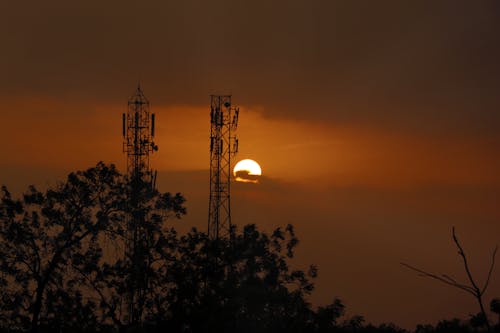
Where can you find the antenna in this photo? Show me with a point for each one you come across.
(138, 132)
(124, 125)
(152, 125)
(223, 146)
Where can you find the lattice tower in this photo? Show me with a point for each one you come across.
(223, 147)
(138, 132)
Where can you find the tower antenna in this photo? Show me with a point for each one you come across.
(138, 133)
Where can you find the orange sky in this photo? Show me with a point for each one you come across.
(358, 194)
(311, 152)
(376, 124)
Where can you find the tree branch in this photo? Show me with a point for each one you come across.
(93, 284)
(461, 252)
(449, 278)
(439, 278)
(472, 288)
(491, 270)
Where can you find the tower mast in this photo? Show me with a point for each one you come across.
(223, 146)
(138, 129)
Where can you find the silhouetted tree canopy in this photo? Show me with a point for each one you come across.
(43, 233)
(66, 266)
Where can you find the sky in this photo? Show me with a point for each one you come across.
(376, 124)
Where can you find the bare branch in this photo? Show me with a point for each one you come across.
(491, 270)
(439, 278)
(449, 278)
(466, 264)
(472, 288)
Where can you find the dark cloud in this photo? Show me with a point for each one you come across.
(420, 65)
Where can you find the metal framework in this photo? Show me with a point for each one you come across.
(223, 146)
(138, 126)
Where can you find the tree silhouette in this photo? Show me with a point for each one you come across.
(451, 326)
(472, 288)
(477, 320)
(58, 274)
(495, 308)
(111, 279)
(43, 233)
(248, 288)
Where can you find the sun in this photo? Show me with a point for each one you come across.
(251, 166)
(247, 171)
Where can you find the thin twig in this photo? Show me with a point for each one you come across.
(473, 288)
(491, 270)
(461, 252)
(449, 278)
(437, 277)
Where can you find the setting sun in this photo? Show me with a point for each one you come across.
(247, 171)
(251, 166)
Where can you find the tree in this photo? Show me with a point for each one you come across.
(56, 274)
(495, 308)
(452, 326)
(113, 279)
(44, 232)
(240, 284)
(477, 320)
(472, 287)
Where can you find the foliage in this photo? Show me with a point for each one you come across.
(244, 284)
(134, 276)
(495, 308)
(58, 270)
(56, 273)
(43, 233)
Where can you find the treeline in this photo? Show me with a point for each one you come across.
(67, 265)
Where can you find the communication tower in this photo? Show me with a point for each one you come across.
(223, 146)
(138, 129)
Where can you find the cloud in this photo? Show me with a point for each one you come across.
(424, 67)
